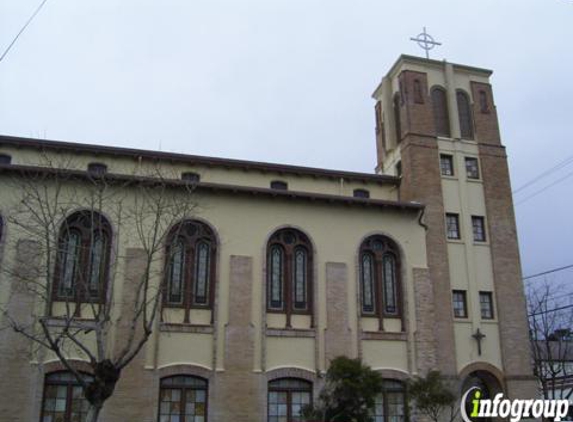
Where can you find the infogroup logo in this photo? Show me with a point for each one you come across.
(515, 409)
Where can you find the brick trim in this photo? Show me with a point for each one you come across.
(184, 369)
(56, 366)
(394, 374)
(485, 367)
(301, 373)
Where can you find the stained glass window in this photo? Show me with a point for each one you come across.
(390, 302)
(390, 404)
(70, 258)
(276, 271)
(202, 259)
(465, 115)
(64, 399)
(286, 398)
(440, 108)
(300, 272)
(177, 272)
(368, 293)
(183, 399)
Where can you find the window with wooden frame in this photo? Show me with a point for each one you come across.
(82, 264)
(183, 398)
(447, 164)
(441, 114)
(289, 273)
(63, 399)
(390, 404)
(478, 227)
(486, 305)
(465, 115)
(380, 278)
(459, 303)
(472, 168)
(453, 226)
(190, 267)
(286, 398)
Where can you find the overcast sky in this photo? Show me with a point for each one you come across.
(290, 81)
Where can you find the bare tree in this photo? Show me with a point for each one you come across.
(550, 313)
(75, 306)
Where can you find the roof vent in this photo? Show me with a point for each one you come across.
(97, 169)
(191, 177)
(361, 193)
(279, 185)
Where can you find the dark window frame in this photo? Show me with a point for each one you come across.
(308, 388)
(5, 159)
(191, 177)
(87, 224)
(478, 228)
(447, 158)
(192, 234)
(69, 384)
(97, 169)
(388, 389)
(441, 111)
(183, 388)
(361, 193)
(464, 302)
(488, 295)
(455, 218)
(465, 115)
(379, 248)
(290, 241)
(472, 172)
(279, 185)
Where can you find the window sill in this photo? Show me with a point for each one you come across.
(291, 332)
(462, 319)
(384, 335)
(481, 243)
(168, 327)
(470, 180)
(458, 241)
(74, 322)
(446, 177)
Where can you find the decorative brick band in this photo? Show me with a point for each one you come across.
(184, 369)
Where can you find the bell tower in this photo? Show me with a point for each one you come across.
(437, 129)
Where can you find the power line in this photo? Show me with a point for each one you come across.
(554, 270)
(560, 308)
(553, 169)
(22, 30)
(545, 188)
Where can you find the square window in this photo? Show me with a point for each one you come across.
(447, 165)
(486, 305)
(472, 168)
(453, 226)
(478, 225)
(460, 304)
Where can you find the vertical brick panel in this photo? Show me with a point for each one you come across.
(337, 335)
(16, 373)
(238, 391)
(425, 321)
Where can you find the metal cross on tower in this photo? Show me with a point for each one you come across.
(426, 42)
(478, 336)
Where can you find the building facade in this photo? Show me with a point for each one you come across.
(277, 269)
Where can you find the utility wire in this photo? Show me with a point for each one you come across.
(568, 175)
(548, 311)
(554, 270)
(553, 169)
(22, 30)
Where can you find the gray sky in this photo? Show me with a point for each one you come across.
(290, 81)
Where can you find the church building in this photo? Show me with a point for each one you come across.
(272, 270)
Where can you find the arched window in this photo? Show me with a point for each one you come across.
(190, 270)
(390, 404)
(97, 169)
(465, 115)
(64, 399)
(397, 118)
(361, 193)
(279, 185)
(287, 397)
(83, 258)
(289, 272)
(380, 277)
(183, 398)
(440, 107)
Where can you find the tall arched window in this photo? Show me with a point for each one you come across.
(83, 258)
(287, 397)
(380, 277)
(465, 115)
(183, 398)
(397, 122)
(440, 107)
(289, 272)
(390, 404)
(190, 270)
(64, 399)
